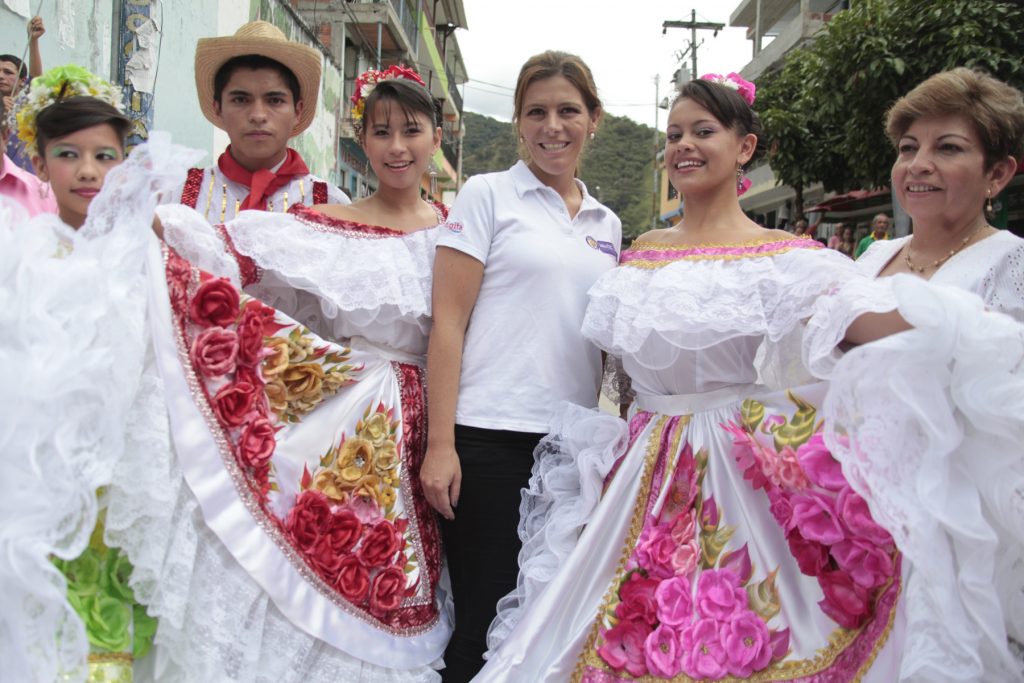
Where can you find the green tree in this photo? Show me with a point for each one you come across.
(489, 145)
(840, 86)
(620, 161)
(790, 119)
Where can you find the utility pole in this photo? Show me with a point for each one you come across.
(693, 25)
(137, 45)
(657, 189)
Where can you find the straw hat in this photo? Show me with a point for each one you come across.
(266, 40)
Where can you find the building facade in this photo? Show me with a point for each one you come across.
(775, 27)
(364, 34)
(148, 46)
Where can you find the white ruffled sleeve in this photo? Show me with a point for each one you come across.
(379, 273)
(928, 426)
(722, 299)
(833, 315)
(198, 242)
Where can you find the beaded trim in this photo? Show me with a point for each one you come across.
(319, 192)
(421, 516)
(193, 183)
(347, 228)
(657, 255)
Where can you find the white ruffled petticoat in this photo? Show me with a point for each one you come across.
(928, 426)
(73, 347)
(565, 487)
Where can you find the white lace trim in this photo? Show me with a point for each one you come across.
(1001, 258)
(570, 465)
(833, 315)
(73, 305)
(992, 268)
(345, 269)
(197, 242)
(721, 299)
(928, 426)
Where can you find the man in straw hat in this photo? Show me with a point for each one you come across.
(261, 89)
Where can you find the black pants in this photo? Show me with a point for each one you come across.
(482, 543)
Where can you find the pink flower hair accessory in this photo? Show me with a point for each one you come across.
(369, 80)
(735, 82)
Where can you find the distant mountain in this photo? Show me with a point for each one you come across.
(618, 161)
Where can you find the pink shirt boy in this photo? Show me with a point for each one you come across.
(26, 189)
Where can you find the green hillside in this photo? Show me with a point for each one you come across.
(619, 162)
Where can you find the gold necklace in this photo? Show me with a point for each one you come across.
(939, 262)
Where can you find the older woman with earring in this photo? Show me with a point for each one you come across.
(958, 138)
(929, 421)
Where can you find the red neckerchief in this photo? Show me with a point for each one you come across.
(264, 182)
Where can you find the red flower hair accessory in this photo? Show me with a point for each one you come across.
(735, 82)
(369, 80)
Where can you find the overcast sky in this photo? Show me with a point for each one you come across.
(621, 41)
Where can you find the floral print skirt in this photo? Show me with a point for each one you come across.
(726, 546)
(304, 456)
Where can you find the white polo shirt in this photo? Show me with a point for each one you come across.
(524, 352)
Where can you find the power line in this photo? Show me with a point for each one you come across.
(496, 85)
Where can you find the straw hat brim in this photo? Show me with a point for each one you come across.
(303, 61)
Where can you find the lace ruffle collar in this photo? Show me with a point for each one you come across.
(696, 301)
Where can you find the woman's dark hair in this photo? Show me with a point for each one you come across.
(729, 107)
(254, 62)
(410, 96)
(18, 64)
(73, 114)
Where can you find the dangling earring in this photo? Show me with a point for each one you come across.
(44, 191)
(988, 202)
(433, 178)
(742, 182)
(592, 135)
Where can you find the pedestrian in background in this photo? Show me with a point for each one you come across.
(879, 231)
(842, 240)
(14, 78)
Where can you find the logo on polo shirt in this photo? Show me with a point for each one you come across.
(454, 227)
(602, 246)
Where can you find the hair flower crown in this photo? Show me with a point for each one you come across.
(735, 82)
(59, 83)
(369, 80)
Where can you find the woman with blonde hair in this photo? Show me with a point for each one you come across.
(510, 279)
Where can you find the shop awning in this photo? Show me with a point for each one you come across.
(849, 201)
